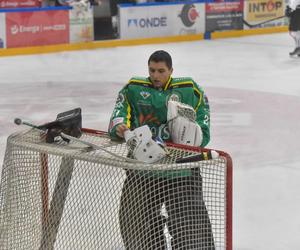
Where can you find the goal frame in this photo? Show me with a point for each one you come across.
(229, 181)
(46, 212)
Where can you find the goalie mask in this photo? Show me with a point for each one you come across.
(142, 147)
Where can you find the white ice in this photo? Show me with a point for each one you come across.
(254, 92)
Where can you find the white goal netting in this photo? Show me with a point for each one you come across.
(70, 196)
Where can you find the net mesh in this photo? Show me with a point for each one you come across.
(69, 196)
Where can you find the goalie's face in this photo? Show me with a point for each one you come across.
(159, 73)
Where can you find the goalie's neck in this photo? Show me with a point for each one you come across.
(164, 86)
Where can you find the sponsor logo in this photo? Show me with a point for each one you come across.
(145, 94)
(116, 121)
(162, 131)
(152, 22)
(15, 29)
(148, 119)
(65, 2)
(187, 31)
(264, 6)
(8, 4)
(189, 14)
(15, 4)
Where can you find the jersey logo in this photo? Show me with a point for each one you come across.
(172, 97)
(145, 94)
(149, 118)
(115, 122)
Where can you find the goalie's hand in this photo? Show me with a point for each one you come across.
(120, 130)
(182, 126)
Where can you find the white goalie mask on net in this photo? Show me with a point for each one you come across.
(142, 147)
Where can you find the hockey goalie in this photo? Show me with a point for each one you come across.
(175, 110)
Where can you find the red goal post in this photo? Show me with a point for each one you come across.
(67, 195)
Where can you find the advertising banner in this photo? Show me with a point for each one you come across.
(6, 4)
(267, 12)
(224, 15)
(159, 20)
(2, 31)
(37, 28)
(81, 24)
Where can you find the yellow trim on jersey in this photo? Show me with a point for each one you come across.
(200, 98)
(182, 83)
(168, 83)
(194, 88)
(139, 81)
(128, 116)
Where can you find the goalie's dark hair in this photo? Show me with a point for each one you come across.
(161, 56)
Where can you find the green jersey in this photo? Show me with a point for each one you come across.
(139, 103)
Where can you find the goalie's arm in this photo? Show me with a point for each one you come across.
(121, 114)
(203, 114)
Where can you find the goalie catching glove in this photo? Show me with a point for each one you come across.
(182, 126)
(142, 147)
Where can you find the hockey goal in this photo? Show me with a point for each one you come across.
(70, 196)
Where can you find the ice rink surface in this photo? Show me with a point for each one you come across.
(254, 91)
